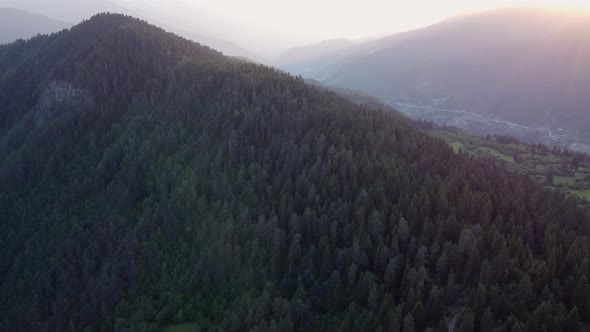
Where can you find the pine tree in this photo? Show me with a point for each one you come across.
(487, 321)
(582, 298)
(467, 321)
(571, 321)
(409, 324)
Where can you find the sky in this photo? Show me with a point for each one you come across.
(270, 27)
(353, 19)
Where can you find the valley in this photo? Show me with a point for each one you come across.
(512, 71)
(515, 146)
(487, 125)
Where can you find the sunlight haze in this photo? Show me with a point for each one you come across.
(316, 20)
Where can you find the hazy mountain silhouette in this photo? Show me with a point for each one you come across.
(18, 24)
(66, 10)
(75, 11)
(222, 45)
(300, 55)
(525, 65)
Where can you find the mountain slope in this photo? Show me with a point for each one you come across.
(224, 46)
(146, 180)
(79, 10)
(523, 65)
(303, 54)
(65, 10)
(17, 24)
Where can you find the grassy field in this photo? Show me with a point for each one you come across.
(584, 194)
(533, 164)
(456, 146)
(496, 153)
(564, 180)
(482, 151)
(186, 327)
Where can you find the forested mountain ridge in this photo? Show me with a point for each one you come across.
(76, 11)
(147, 180)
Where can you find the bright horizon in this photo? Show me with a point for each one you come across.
(353, 19)
(267, 28)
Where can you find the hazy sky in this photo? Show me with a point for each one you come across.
(321, 19)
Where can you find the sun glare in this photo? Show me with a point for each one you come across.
(573, 6)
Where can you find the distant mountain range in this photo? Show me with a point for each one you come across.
(524, 65)
(325, 50)
(222, 45)
(80, 10)
(18, 24)
(65, 10)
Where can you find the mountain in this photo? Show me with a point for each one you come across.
(224, 46)
(146, 180)
(65, 10)
(303, 54)
(18, 24)
(528, 66)
(193, 16)
(79, 10)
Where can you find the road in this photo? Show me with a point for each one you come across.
(453, 322)
(569, 138)
(507, 123)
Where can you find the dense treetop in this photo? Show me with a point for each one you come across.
(147, 180)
